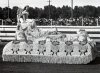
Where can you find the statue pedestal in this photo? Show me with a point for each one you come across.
(24, 52)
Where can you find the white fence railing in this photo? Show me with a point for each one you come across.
(7, 33)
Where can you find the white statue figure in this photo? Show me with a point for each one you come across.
(82, 35)
(22, 19)
(84, 38)
(32, 31)
(27, 28)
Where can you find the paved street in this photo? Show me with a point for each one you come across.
(15, 67)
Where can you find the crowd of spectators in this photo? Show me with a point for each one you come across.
(59, 22)
(69, 22)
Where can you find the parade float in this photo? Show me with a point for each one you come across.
(35, 45)
(32, 44)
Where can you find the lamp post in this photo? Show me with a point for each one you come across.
(71, 9)
(49, 9)
(8, 9)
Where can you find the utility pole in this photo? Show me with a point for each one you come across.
(71, 8)
(8, 9)
(49, 9)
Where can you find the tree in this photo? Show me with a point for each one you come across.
(1, 13)
(32, 13)
(90, 11)
(66, 13)
(53, 12)
(58, 12)
(98, 11)
(14, 12)
(5, 13)
(46, 11)
(76, 12)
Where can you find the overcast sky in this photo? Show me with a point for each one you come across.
(42, 3)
